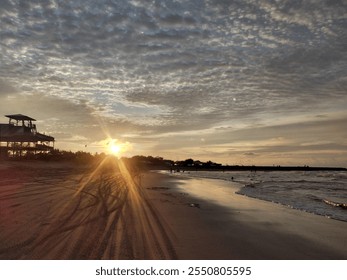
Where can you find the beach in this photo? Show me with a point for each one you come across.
(60, 211)
(212, 225)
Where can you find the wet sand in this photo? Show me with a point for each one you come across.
(55, 211)
(212, 222)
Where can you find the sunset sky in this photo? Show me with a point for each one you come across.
(236, 82)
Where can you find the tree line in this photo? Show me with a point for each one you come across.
(82, 157)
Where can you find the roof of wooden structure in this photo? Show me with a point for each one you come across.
(20, 117)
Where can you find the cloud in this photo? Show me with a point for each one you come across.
(6, 89)
(249, 154)
(66, 121)
(311, 136)
(176, 66)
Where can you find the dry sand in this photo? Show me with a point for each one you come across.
(64, 212)
(52, 211)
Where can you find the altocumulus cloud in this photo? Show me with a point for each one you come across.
(169, 68)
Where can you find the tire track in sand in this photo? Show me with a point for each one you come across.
(103, 216)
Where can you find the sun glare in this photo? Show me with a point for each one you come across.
(114, 149)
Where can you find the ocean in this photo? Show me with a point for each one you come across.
(318, 192)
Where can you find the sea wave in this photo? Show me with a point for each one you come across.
(318, 192)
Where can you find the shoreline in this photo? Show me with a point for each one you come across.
(255, 168)
(330, 206)
(247, 228)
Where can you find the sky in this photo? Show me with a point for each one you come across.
(235, 82)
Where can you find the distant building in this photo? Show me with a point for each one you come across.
(19, 137)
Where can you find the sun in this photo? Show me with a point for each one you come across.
(114, 149)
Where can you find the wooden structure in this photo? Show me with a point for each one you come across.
(19, 137)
